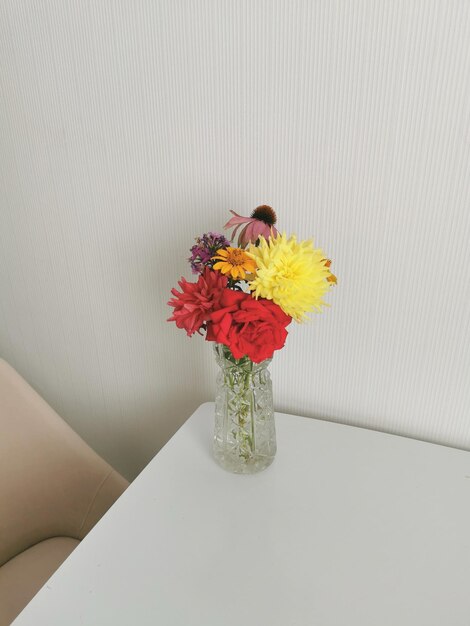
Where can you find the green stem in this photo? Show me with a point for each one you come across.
(252, 412)
(241, 374)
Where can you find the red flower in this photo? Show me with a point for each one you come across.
(194, 305)
(249, 327)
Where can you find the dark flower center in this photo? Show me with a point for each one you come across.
(265, 214)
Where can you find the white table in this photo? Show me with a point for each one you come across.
(347, 527)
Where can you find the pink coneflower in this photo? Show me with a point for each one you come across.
(261, 222)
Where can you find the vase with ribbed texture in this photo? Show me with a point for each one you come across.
(244, 434)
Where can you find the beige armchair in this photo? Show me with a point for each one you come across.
(53, 490)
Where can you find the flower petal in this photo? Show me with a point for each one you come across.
(238, 219)
(248, 233)
(241, 236)
(223, 252)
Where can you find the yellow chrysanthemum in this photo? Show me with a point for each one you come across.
(234, 261)
(292, 274)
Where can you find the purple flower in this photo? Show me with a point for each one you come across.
(204, 249)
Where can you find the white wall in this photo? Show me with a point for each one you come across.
(127, 128)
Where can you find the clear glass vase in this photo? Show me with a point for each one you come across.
(245, 434)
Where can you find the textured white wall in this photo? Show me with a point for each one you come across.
(127, 128)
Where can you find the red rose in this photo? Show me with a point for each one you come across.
(249, 327)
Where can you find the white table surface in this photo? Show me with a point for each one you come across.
(347, 527)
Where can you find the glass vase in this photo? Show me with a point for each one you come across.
(245, 434)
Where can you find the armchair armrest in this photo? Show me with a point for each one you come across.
(51, 482)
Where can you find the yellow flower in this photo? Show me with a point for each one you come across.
(234, 261)
(294, 275)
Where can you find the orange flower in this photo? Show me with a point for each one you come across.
(235, 262)
(331, 278)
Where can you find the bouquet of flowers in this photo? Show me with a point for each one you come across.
(243, 300)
